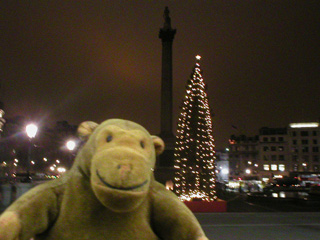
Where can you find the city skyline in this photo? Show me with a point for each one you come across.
(80, 60)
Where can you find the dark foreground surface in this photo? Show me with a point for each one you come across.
(265, 219)
(262, 225)
(242, 203)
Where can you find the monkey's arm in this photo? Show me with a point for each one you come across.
(171, 218)
(31, 214)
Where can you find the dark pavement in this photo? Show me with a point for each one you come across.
(265, 219)
(241, 203)
(262, 225)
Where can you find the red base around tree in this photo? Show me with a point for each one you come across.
(203, 206)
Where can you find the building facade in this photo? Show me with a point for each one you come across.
(243, 157)
(276, 152)
(304, 146)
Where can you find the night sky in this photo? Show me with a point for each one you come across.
(94, 60)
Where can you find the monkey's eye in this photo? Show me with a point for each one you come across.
(142, 144)
(109, 138)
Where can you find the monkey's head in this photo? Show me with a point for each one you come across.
(122, 155)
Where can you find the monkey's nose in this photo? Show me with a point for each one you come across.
(124, 170)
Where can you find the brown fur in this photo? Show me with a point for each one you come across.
(110, 193)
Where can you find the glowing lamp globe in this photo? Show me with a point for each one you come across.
(71, 145)
(31, 130)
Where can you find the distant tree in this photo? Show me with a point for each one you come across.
(54, 141)
(14, 145)
(46, 148)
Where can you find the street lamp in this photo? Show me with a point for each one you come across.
(71, 145)
(31, 130)
(224, 171)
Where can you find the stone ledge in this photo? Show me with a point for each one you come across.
(203, 206)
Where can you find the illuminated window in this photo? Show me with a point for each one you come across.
(282, 167)
(274, 167)
(266, 167)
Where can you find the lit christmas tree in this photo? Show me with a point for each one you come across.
(194, 151)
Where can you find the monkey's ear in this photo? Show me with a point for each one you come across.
(85, 129)
(158, 144)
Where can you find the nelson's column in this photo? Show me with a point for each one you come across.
(164, 167)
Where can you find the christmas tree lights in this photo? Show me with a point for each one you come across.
(194, 150)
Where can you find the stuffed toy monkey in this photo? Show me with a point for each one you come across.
(109, 193)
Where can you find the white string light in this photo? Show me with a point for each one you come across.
(195, 179)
